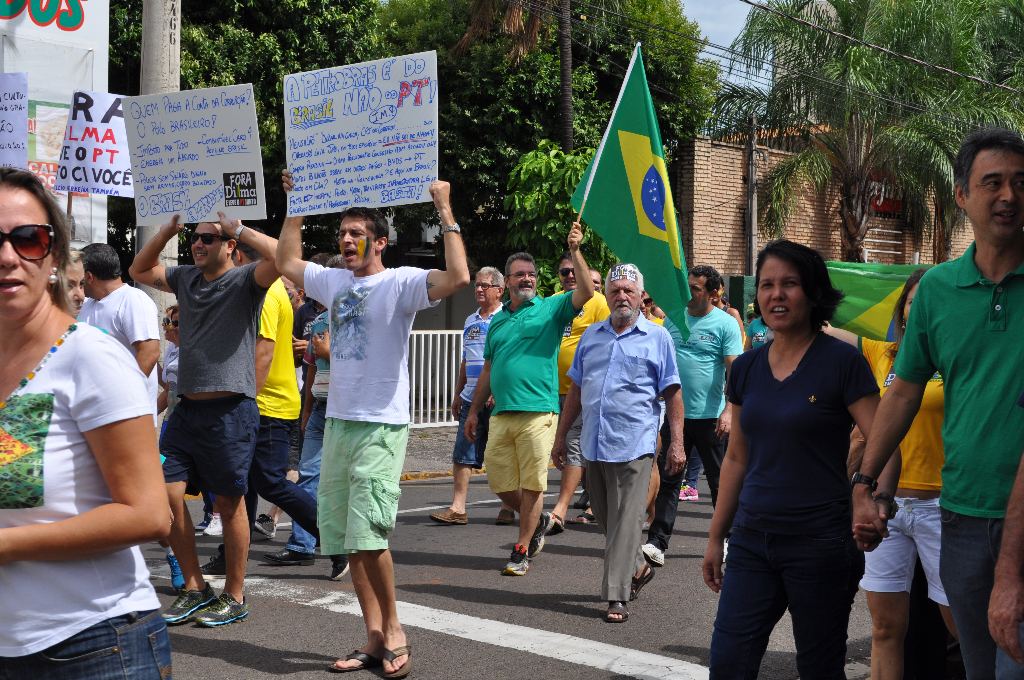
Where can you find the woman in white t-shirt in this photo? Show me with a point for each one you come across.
(80, 478)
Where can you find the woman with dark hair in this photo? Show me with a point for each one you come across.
(915, 519)
(784, 487)
(80, 478)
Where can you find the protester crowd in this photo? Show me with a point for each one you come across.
(267, 389)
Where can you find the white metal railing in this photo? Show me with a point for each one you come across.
(434, 360)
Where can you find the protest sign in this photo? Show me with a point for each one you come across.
(195, 153)
(94, 157)
(14, 120)
(364, 134)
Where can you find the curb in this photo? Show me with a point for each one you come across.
(417, 476)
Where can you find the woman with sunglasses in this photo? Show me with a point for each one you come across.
(80, 480)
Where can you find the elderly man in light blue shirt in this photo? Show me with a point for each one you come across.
(622, 365)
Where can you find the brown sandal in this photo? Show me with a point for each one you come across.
(505, 517)
(617, 608)
(638, 583)
(406, 668)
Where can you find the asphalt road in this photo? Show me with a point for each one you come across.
(467, 621)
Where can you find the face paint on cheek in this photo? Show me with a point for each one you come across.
(363, 247)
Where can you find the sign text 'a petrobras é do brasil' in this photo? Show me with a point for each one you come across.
(364, 134)
(94, 157)
(196, 153)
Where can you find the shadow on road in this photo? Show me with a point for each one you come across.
(246, 655)
(563, 603)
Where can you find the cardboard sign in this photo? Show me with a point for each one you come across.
(14, 120)
(195, 153)
(94, 158)
(362, 135)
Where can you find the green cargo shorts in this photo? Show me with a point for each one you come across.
(358, 494)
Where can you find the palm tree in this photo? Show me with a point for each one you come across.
(853, 115)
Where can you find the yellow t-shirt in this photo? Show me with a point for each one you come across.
(595, 310)
(657, 320)
(922, 449)
(279, 397)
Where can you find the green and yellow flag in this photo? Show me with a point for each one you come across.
(872, 291)
(625, 196)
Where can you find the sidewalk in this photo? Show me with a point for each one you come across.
(429, 453)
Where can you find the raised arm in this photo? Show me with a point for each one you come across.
(289, 249)
(146, 267)
(441, 284)
(584, 284)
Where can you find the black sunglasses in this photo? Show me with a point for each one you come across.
(207, 238)
(168, 322)
(648, 301)
(30, 241)
(565, 271)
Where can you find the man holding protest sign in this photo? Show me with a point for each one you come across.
(371, 311)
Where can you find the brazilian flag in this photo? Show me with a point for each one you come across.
(872, 291)
(625, 196)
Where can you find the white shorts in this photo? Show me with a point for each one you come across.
(915, 531)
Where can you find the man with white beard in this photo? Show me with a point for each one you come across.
(622, 365)
(521, 370)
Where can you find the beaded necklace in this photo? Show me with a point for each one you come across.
(46, 357)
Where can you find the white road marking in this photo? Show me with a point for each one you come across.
(621, 660)
(444, 507)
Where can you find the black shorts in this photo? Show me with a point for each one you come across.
(211, 443)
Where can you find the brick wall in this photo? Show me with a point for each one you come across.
(711, 200)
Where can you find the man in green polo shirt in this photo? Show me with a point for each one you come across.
(966, 323)
(521, 370)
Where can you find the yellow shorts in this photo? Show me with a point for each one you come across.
(518, 450)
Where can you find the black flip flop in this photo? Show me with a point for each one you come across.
(584, 518)
(557, 525)
(638, 583)
(368, 660)
(617, 608)
(405, 668)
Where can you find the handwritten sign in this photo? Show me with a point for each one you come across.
(195, 153)
(94, 158)
(362, 135)
(14, 120)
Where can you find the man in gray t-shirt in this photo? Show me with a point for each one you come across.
(211, 436)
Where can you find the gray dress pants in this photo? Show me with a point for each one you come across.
(618, 498)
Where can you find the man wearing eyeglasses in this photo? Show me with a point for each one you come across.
(594, 311)
(211, 436)
(467, 455)
(521, 368)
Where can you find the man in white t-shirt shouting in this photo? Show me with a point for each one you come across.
(371, 311)
(126, 314)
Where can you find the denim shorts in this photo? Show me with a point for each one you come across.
(211, 444)
(131, 647)
(467, 452)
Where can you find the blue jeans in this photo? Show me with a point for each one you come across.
(309, 474)
(816, 577)
(693, 466)
(267, 476)
(967, 562)
(130, 647)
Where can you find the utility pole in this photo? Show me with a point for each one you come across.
(752, 197)
(161, 72)
(565, 64)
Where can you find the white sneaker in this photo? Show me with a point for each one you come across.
(654, 555)
(215, 528)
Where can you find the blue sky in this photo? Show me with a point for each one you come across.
(720, 20)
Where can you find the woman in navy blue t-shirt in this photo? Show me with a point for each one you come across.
(785, 487)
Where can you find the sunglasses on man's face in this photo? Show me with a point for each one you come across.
(30, 241)
(648, 301)
(485, 286)
(206, 238)
(565, 271)
(168, 322)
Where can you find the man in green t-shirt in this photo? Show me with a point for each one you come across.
(521, 371)
(966, 323)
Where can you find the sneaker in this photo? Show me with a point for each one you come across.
(583, 502)
(177, 580)
(187, 604)
(201, 527)
(688, 493)
(222, 611)
(266, 525)
(518, 564)
(654, 555)
(215, 567)
(339, 567)
(537, 540)
(215, 528)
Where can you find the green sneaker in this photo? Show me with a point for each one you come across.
(222, 611)
(187, 604)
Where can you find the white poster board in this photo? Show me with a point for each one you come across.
(14, 120)
(195, 153)
(94, 158)
(364, 134)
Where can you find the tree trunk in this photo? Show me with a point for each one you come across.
(565, 57)
(853, 211)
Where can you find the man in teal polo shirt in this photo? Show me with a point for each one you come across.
(966, 323)
(521, 370)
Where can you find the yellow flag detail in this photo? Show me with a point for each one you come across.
(648, 184)
(877, 316)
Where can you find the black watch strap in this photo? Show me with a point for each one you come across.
(858, 478)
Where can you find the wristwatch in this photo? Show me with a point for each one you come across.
(454, 227)
(238, 232)
(893, 507)
(858, 478)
